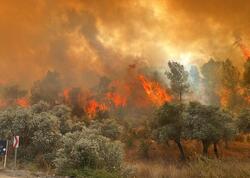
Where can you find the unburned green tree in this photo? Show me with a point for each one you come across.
(169, 123)
(208, 124)
(243, 121)
(178, 77)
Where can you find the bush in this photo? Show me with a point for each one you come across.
(88, 149)
(108, 128)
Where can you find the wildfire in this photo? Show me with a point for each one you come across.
(2, 103)
(245, 50)
(66, 95)
(118, 94)
(224, 95)
(157, 94)
(243, 92)
(118, 100)
(93, 107)
(23, 102)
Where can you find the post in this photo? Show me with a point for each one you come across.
(15, 146)
(15, 156)
(6, 153)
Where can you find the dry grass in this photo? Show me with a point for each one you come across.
(201, 168)
(234, 161)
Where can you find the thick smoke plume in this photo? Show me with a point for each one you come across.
(86, 40)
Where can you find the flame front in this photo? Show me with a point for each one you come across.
(23, 102)
(245, 50)
(93, 107)
(118, 100)
(224, 95)
(156, 93)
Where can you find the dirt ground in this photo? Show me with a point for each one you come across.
(21, 174)
(15, 174)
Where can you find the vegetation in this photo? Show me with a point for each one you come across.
(208, 124)
(178, 79)
(170, 123)
(57, 133)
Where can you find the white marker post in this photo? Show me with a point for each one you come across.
(15, 146)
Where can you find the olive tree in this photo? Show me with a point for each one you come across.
(243, 122)
(88, 149)
(47, 89)
(63, 113)
(170, 124)
(108, 127)
(208, 124)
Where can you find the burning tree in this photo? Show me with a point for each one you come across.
(229, 94)
(246, 75)
(14, 95)
(178, 77)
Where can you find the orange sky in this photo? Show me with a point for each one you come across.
(84, 40)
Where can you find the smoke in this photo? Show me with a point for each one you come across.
(86, 40)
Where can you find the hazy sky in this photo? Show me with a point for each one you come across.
(86, 39)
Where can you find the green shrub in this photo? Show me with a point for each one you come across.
(89, 149)
(108, 128)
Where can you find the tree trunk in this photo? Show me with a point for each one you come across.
(216, 150)
(205, 145)
(180, 97)
(182, 154)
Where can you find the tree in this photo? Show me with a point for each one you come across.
(74, 97)
(246, 79)
(230, 83)
(40, 107)
(45, 135)
(109, 128)
(208, 124)
(211, 72)
(63, 113)
(88, 149)
(47, 89)
(170, 124)
(11, 93)
(246, 75)
(178, 79)
(244, 121)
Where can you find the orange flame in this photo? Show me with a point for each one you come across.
(93, 107)
(3, 103)
(245, 50)
(243, 92)
(66, 93)
(156, 93)
(23, 102)
(118, 100)
(224, 95)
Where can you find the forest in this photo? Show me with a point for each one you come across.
(202, 117)
(124, 89)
